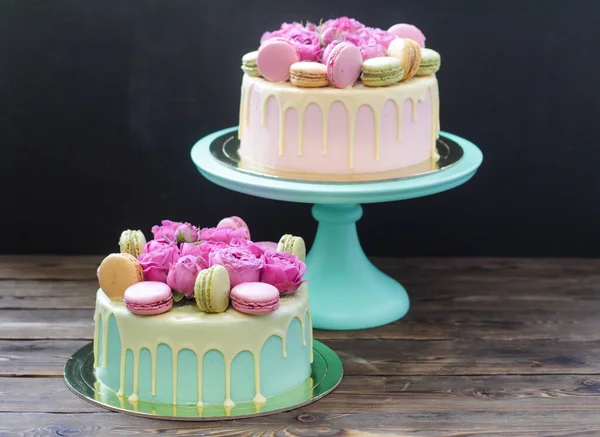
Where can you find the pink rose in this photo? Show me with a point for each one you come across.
(168, 230)
(255, 248)
(182, 274)
(283, 270)
(175, 231)
(223, 235)
(152, 245)
(187, 233)
(343, 25)
(242, 265)
(307, 44)
(283, 31)
(156, 263)
(371, 50)
(382, 37)
(328, 50)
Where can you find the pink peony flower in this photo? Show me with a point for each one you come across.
(156, 263)
(382, 37)
(283, 270)
(328, 50)
(307, 44)
(371, 50)
(255, 248)
(175, 232)
(343, 25)
(187, 233)
(284, 30)
(182, 274)
(223, 235)
(242, 265)
(152, 245)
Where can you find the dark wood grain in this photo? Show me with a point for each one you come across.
(304, 424)
(385, 394)
(367, 357)
(491, 347)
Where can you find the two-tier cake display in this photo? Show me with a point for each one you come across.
(203, 323)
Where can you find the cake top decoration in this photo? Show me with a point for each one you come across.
(281, 49)
(200, 265)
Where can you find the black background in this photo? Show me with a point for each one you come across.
(101, 102)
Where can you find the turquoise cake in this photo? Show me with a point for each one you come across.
(188, 357)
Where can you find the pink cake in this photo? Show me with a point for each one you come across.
(329, 130)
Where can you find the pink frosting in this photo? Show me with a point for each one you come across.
(260, 142)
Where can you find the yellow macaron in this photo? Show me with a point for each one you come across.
(117, 272)
(308, 74)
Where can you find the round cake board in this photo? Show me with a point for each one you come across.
(338, 271)
(326, 374)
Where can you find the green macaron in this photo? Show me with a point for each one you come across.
(382, 71)
(211, 289)
(294, 245)
(249, 64)
(431, 62)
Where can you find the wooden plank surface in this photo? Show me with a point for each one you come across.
(506, 347)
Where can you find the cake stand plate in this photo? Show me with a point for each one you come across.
(326, 374)
(338, 271)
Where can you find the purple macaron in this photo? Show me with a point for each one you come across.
(148, 298)
(254, 298)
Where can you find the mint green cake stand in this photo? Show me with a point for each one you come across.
(346, 290)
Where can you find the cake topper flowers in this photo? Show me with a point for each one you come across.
(203, 265)
(290, 53)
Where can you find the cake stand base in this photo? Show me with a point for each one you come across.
(342, 279)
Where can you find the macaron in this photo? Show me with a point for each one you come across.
(249, 64)
(117, 272)
(409, 54)
(274, 58)
(344, 65)
(234, 222)
(382, 71)
(148, 298)
(431, 62)
(255, 298)
(294, 245)
(212, 288)
(308, 74)
(132, 242)
(404, 30)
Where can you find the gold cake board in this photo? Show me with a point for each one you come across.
(326, 374)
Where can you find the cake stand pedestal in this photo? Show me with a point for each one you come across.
(346, 290)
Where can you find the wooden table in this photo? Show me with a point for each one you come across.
(490, 347)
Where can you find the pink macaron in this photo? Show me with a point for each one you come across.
(234, 222)
(254, 297)
(403, 30)
(148, 298)
(344, 65)
(274, 59)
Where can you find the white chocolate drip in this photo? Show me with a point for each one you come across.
(289, 97)
(176, 321)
